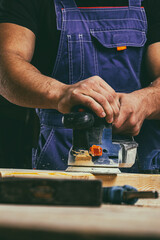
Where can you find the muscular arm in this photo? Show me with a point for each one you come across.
(153, 66)
(144, 103)
(22, 84)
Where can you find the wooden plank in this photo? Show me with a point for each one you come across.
(140, 181)
(145, 182)
(107, 222)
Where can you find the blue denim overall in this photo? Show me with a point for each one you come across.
(88, 46)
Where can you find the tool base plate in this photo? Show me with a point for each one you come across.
(94, 170)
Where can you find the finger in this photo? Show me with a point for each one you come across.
(108, 102)
(93, 105)
(122, 122)
(102, 101)
(115, 105)
(127, 128)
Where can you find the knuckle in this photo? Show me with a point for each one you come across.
(84, 85)
(110, 98)
(131, 111)
(96, 79)
(109, 114)
(88, 103)
(133, 122)
(74, 93)
(103, 101)
(114, 95)
(136, 132)
(116, 113)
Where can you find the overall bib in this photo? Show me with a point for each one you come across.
(89, 45)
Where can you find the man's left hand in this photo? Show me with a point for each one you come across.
(133, 111)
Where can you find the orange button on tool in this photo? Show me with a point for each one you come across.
(95, 150)
(121, 48)
(81, 110)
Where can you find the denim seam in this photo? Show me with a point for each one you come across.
(78, 41)
(95, 61)
(145, 19)
(82, 56)
(70, 59)
(60, 45)
(116, 30)
(39, 160)
(103, 10)
(52, 125)
(109, 19)
(125, 43)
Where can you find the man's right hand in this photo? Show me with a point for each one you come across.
(22, 84)
(93, 93)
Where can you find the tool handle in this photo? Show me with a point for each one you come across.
(114, 195)
(125, 195)
(141, 194)
(80, 117)
(78, 120)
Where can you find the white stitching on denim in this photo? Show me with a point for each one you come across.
(145, 19)
(107, 19)
(117, 30)
(71, 68)
(95, 60)
(78, 41)
(103, 10)
(82, 56)
(125, 43)
(40, 158)
(59, 53)
(70, 59)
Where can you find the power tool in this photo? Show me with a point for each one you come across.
(94, 148)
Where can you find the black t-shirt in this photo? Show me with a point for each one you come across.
(39, 16)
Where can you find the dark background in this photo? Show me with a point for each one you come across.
(18, 134)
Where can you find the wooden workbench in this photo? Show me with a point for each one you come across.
(141, 221)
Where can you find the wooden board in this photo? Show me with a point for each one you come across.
(70, 223)
(142, 182)
(107, 222)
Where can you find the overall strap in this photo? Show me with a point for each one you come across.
(135, 3)
(59, 4)
(68, 4)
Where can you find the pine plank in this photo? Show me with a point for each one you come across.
(143, 182)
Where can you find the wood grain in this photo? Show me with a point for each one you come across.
(107, 222)
(69, 223)
(140, 181)
(143, 182)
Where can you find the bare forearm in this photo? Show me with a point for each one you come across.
(22, 84)
(153, 71)
(136, 107)
(152, 96)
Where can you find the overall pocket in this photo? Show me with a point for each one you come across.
(53, 148)
(119, 67)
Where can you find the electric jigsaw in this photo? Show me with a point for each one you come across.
(94, 149)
